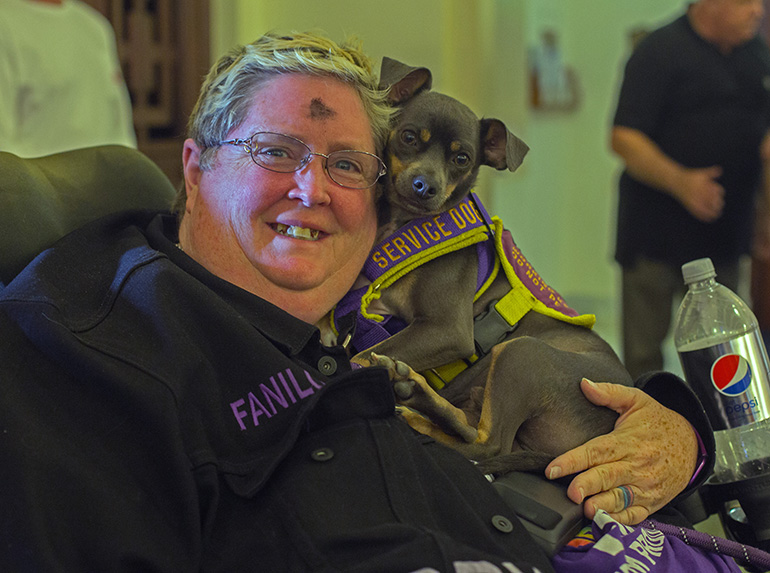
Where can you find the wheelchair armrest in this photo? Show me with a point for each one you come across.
(544, 508)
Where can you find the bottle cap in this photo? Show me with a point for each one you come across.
(698, 270)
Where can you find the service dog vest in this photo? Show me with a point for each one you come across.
(424, 239)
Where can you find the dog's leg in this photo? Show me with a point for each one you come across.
(415, 393)
(439, 322)
(545, 380)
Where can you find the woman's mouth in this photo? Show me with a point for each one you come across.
(296, 232)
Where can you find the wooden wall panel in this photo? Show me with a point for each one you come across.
(164, 51)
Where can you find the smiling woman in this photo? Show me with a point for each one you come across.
(192, 389)
(236, 211)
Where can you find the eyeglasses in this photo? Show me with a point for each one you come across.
(285, 154)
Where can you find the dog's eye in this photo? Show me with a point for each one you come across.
(462, 159)
(409, 137)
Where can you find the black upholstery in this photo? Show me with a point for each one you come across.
(44, 198)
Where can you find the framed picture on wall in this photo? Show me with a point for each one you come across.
(553, 85)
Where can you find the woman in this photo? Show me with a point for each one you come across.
(169, 406)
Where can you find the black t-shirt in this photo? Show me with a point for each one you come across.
(702, 108)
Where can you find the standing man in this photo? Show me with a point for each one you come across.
(690, 126)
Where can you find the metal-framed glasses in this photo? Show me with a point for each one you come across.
(285, 154)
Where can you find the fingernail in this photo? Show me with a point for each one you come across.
(591, 383)
(555, 472)
(582, 493)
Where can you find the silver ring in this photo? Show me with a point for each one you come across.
(628, 496)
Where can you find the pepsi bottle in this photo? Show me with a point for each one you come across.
(725, 363)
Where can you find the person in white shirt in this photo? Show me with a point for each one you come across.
(61, 85)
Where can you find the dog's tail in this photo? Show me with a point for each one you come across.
(520, 460)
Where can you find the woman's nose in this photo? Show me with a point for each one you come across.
(312, 183)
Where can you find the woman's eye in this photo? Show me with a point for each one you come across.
(277, 152)
(347, 165)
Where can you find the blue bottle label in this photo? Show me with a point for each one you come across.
(731, 379)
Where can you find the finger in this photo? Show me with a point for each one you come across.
(714, 172)
(620, 503)
(612, 501)
(579, 459)
(599, 479)
(614, 396)
(631, 516)
(624, 497)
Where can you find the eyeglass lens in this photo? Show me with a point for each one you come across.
(282, 153)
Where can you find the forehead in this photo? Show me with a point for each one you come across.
(732, 6)
(441, 115)
(309, 107)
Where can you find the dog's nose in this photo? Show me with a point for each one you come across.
(423, 188)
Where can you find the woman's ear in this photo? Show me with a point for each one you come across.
(191, 155)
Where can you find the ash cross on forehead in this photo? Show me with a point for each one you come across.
(319, 110)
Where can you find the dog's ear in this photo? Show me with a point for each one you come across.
(404, 81)
(502, 149)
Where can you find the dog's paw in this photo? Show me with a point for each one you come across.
(361, 360)
(425, 411)
(400, 373)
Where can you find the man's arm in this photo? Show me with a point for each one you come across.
(764, 153)
(696, 189)
(761, 244)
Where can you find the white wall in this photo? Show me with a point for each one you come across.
(560, 204)
(571, 180)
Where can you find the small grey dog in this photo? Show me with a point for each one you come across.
(519, 405)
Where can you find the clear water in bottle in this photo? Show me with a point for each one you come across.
(725, 362)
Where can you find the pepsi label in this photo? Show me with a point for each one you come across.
(731, 379)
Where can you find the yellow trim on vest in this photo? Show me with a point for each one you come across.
(512, 306)
(519, 300)
(466, 239)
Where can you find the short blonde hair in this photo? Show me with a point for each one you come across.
(230, 85)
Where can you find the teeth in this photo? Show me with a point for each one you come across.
(297, 232)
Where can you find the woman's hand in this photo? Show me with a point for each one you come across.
(652, 452)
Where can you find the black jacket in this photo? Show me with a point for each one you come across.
(156, 418)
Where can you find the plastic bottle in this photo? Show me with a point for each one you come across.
(725, 362)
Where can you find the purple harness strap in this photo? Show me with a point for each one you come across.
(485, 250)
(744, 554)
(367, 332)
(424, 233)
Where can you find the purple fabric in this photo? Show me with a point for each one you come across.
(485, 250)
(423, 233)
(367, 332)
(531, 279)
(350, 302)
(744, 554)
(618, 547)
